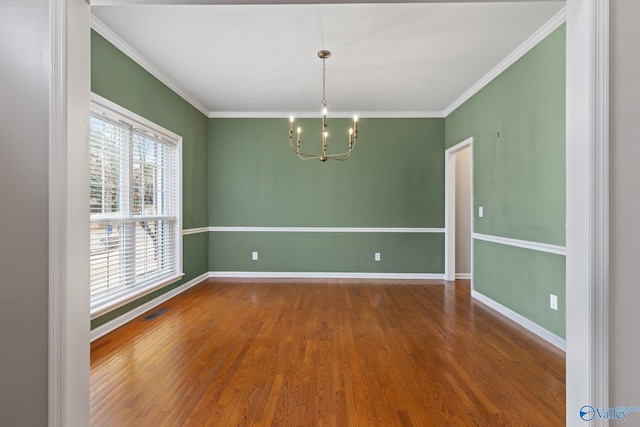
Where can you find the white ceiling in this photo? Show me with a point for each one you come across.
(387, 59)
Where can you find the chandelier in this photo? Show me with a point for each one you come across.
(323, 157)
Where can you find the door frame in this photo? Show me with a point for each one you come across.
(450, 209)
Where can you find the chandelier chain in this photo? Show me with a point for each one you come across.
(324, 75)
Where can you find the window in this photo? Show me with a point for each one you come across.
(135, 203)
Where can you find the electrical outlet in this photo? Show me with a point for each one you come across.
(377, 256)
(480, 211)
(553, 302)
(254, 256)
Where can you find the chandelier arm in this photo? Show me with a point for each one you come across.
(302, 155)
(341, 156)
(334, 156)
(346, 153)
(338, 156)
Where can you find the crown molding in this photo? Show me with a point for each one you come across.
(551, 25)
(106, 32)
(316, 114)
(520, 51)
(253, 2)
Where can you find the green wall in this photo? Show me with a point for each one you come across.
(518, 125)
(119, 79)
(241, 173)
(327, 252)
(522, 280)
(394, 178)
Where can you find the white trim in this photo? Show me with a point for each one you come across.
(601, 204)
(333, 114)
(110, 326)
(57, 214)
(450, 208)
(463, 276)
(580, 315)
(104, 329)
(587, 381)
(179, 261)
(327, 229)
(109, 304)
(98, 218)
(313, 230)
(189, 231)
(325, 275)
(103, 304)
(526, 244)
(137, 57)
(518, 53)
(100, 28)
(68, 390)
(550, 337)
(102, 105)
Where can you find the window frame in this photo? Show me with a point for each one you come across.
(103, 304)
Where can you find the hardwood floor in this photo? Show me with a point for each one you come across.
(326, 353)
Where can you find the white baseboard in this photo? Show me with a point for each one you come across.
(550, 337)
(325, 275)
(130, 315)
(463, 275)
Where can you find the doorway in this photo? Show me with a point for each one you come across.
(459, 211)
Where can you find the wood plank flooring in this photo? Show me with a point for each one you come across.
(326, 353)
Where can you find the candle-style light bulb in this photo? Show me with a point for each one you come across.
(324, 111)
(291, 125)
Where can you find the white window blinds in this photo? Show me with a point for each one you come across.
(134, 207)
